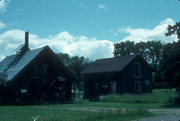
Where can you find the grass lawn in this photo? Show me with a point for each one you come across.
(118, 105)
(58, 113)
(136, 107)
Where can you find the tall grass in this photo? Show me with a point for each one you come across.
(157, 96)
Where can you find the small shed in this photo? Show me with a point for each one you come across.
(34, 76)
(117, 75)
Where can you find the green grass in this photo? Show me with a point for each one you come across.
(57, 113)
(136, 107)
(119, 105)
(161, 96)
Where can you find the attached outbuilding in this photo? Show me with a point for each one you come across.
(34, 76)
(117, 75)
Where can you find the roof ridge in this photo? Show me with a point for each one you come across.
(113, 64)
(26, 52)
(18, 58)
(18, 66)
(117, 57)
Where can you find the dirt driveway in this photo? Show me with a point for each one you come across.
(163, 115)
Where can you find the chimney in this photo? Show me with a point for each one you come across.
(26, 40)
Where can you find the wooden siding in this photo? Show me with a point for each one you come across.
(43, 80)
(128, 77)
(125, 80)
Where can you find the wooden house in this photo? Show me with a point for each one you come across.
(34, 76)
(117, 75)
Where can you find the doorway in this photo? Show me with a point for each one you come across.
(137, 86)
(113, 87)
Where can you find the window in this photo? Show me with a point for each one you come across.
(43, 69)
(136, 69)
(23, 90)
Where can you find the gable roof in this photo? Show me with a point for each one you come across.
(114, 64)
(12, 70)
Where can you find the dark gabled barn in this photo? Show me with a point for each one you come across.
(118, 75)
(34, 76)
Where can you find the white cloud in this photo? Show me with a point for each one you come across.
(101, 6)
(2, 25)
(142, 34)
(82, 45)
(3, 5)
(61, 42)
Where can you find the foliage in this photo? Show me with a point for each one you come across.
(171, 58)
(76, 65)
(124, 48)
(170, 64)
(174, 30)
(151, 50)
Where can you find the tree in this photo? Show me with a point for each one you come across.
(153, 56)
(123, 48)
(154, 52)
(174, 30)
(76, 65)
(170, 64)
(64, 58)
(151, 51)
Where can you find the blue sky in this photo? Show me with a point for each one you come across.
(68, 25)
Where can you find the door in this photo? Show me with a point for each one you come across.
(137, 86)
(113, 87)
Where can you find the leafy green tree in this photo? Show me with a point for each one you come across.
(154, 52)
(151, 51)
(153, 55)
(123, 48)
(64, 58)
(174, 30)
(170, 64)
(76, 65)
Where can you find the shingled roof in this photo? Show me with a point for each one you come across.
(114, 64)
(12, 70)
